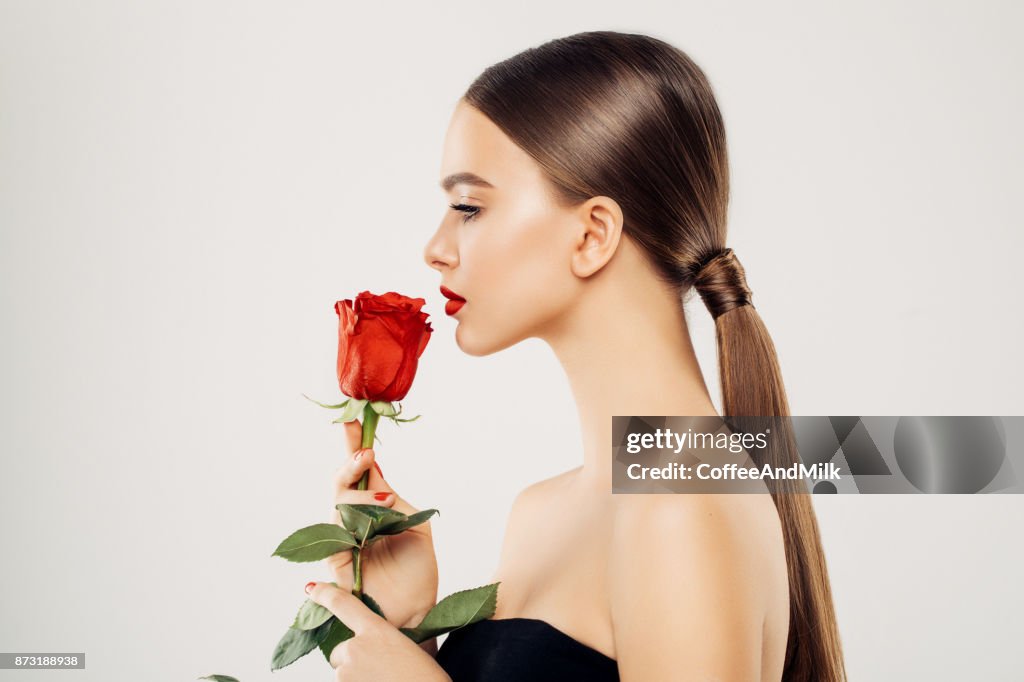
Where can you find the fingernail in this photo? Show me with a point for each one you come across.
(378, 469)
(381, 496)
(309, 587)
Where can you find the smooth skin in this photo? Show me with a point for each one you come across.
(674, 587)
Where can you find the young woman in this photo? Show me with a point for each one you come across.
(589, 185)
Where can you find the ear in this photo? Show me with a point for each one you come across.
(600, 223)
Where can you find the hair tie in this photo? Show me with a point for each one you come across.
(722, 283)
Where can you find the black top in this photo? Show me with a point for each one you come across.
(520, 649)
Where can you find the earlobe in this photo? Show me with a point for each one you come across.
(600, 232)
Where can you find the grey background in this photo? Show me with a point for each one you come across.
(186, 188)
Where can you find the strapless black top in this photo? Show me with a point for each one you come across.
(521, 649)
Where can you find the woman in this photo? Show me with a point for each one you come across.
(589, 185)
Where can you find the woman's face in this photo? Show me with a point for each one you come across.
(507, 250)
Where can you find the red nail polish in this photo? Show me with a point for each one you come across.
(380, 496)
(378, 470)
(309, 587)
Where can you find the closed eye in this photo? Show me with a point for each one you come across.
(468, 210)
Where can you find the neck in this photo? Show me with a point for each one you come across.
(626, 350)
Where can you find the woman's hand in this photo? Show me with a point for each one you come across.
(399, 571)
(378, 651)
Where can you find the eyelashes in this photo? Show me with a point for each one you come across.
(469, 212)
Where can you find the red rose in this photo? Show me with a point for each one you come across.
(380, 340)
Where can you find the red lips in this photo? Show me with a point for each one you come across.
(448, 293)
(453, 306)
(455, 301)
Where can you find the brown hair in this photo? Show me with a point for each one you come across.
(634, 118)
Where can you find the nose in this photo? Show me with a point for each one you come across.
(440, 252)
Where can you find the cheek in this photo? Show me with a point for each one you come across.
(520, 274)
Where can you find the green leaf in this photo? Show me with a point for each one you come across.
(455, 611)
(329, 407)
(297, 643)
(310, 616)
(339, 632)
(368, 522)
(315, 542)
(374, 606)
(353, 410)
(364, 520)
(383, 408)
(219, 678)
(408, 522)
(396, 419)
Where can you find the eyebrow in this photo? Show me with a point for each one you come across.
(464, 179)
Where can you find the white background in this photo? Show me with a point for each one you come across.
(187, 187)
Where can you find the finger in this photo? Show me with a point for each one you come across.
(349, 473)
(347, 476)
(381, 498)
(353, 436)
(349, 609)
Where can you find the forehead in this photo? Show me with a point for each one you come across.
(474, 144)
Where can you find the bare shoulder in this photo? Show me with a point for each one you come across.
(737, 536)
(526, 513)
(530, 501)
(528, 508)
(535, 494)
(701, 582)
(686, 505)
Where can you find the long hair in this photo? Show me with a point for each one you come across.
(634, 118)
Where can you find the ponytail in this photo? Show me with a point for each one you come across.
(752, 387)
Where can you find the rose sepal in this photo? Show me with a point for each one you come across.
(329, 407)
(353, 409)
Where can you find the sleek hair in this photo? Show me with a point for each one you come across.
(631, 117)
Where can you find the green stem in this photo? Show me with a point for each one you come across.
(370, 418)
(357, 572)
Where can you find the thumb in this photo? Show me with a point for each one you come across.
(349, 608)
(353, 435)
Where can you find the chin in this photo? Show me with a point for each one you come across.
(472, 344)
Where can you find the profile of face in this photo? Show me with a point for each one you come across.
(518, 256)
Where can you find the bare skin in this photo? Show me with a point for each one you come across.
(530, 267)
(671, 586)
(562, 573)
